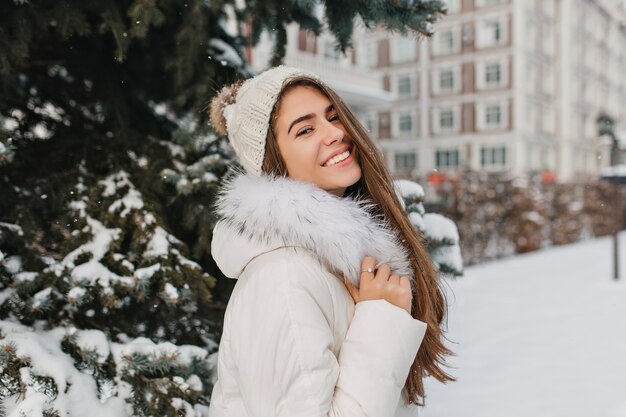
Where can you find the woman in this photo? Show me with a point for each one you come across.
(337, 307)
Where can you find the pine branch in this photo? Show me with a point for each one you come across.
(143, 14)
(112, 22)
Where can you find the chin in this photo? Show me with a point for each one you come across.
(347, 179)
(355, 178)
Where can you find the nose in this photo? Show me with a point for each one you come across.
(332, 133)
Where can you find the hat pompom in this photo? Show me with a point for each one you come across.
(225, 97)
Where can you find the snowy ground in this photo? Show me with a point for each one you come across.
(541, 335)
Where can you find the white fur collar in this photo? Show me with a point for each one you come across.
(262, 213)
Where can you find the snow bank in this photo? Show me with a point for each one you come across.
(540, 334)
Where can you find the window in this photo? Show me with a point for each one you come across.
(372, 55)
(446, 41)
(405, 123)
(492, 74)
(493, 115)
(446, 80)
(491, 32)
(405, 161)
(404, 86)
(403, 50)
(369, 125)
(330, 53)
(446, 119)
(496, 30)
(493, 156)
(447, 159)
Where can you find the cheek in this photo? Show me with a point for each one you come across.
(300, 159)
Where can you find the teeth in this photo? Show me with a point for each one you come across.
(336, 159)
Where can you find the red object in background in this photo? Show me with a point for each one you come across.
(548, 177)
(437, 178)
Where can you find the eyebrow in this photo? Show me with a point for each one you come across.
(308, 116)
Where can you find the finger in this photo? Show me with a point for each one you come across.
(383, 272)
(354, 291)
(368, 263)
(394, 279)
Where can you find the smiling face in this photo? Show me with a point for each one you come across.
(313, 143)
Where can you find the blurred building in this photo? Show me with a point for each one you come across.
(504, 85)
(357, 84)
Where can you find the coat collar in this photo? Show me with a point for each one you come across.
(259, 214)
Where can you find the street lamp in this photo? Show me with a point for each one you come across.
(605, 126)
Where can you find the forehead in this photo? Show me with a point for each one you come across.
(299, 101)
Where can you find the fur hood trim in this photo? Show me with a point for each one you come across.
(279, 211)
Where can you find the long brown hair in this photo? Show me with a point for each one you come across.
(429, 303)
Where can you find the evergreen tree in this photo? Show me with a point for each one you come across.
(110, 303)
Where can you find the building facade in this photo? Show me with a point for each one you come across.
(360, 87)
(503, 86)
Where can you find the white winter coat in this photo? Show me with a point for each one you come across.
(294, 343)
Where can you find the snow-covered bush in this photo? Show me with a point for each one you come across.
(441, 234)
(501, 215)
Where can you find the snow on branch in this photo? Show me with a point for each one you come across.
(68, 372)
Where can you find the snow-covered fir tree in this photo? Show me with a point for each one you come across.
(110, 302)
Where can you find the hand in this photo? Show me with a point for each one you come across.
(381, 284)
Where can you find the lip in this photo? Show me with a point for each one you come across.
(337, 152)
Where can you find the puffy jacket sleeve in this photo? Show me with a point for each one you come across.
(282, 339)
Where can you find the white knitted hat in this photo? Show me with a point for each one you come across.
(248, 117)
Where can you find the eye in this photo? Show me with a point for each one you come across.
(333, 118)
(304, 131)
